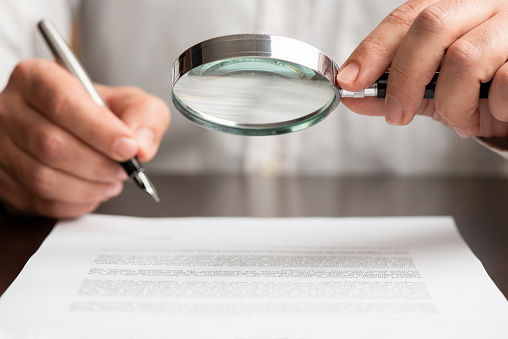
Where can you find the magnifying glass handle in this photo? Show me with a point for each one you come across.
(379, 89)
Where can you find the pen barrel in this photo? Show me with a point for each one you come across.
(429, 89)
(65, 57)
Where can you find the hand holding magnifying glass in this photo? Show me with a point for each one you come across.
(258, 84)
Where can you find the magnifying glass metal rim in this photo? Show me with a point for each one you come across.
(256, 46)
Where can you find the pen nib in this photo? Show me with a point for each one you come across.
(142, 181)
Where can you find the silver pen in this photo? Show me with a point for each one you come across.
(64, 55)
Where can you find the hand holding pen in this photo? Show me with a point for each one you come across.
(60, 149)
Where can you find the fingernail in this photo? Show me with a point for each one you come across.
(145, 138)
(462, 133)
(393, 114)
(114, 189)
(349, 73)
(125, 148)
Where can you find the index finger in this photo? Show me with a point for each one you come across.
(375, 53)
(62, 99)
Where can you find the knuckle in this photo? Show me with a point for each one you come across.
(56, 104)
(403, 15)
(41, 181)
(50, 146)
(432, 20)
(21, 72)
(462, 55)
(22, 69)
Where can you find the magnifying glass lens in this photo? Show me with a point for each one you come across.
(254, 96)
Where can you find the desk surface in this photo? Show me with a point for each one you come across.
(479, 206)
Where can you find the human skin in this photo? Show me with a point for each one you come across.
(60, 150)
(466, 40)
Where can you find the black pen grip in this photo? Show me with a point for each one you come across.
(131, 166)
(429, 90)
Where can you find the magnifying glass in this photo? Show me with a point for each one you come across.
(259, 84)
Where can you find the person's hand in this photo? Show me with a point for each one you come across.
(465, 39)
(59, 149)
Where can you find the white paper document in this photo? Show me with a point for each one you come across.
(249, 278)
